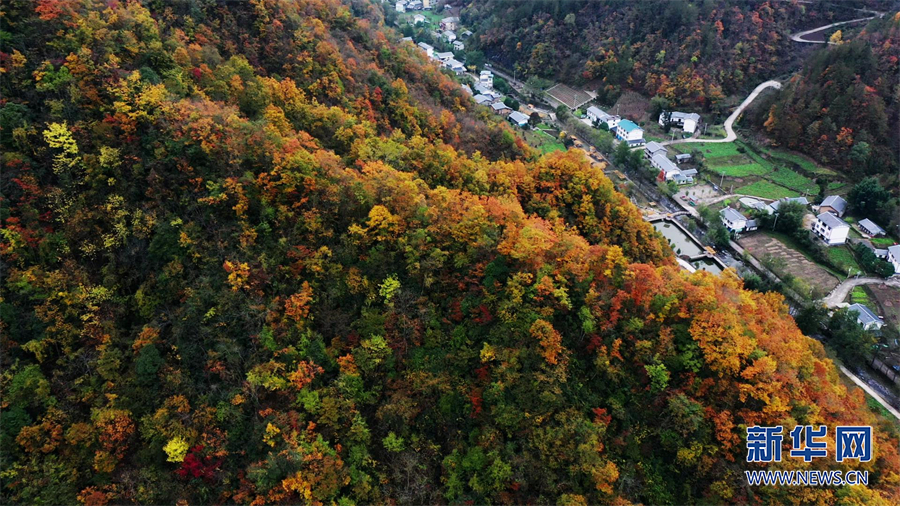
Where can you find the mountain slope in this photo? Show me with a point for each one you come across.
(258, 253)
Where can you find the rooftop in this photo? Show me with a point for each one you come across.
(653, 146)
(664, 163)
(732, 215)
(518, 117)
(831, 221)
(836, 202)
(685, 115)
(894, 251)
(499, 106)
(871, 226)
(866, 316)
(628, 125)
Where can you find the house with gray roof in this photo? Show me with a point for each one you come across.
(733, 220)
(831, 229)
(518, 119)
(866, 317)
(654, 147)
(835, 205)
(893, 256)
(870, 227)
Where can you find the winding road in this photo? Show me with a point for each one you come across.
(729, 123)
(799, 37)
(840, 292)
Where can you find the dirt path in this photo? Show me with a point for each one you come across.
(729, 123)
(840, 292)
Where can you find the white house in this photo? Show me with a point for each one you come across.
(400, 7)
(517, 118)
(893, 256)
(773, 207)
(483, 99)
(687, 121)
(629, 132)
(429, 49)
(486, 78)
(455, 65)
(667, 168)
(449, 35)
(733, 220)
(870, 227)
(418, 18)
(444, 56)
(834, 205)
(414, 5)
(866, 317)
(654, 147)
(831, 229)
(458, 45)
(597, 115)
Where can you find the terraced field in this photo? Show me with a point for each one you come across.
(766, 190)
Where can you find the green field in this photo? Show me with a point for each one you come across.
(543, 141)
(795, 180)
(842, 257)
(804, 163)
(766, 190)
(882, 241)
(859, 295)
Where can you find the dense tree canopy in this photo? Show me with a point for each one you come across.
(261, 254)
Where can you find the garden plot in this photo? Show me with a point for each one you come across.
(790, 261)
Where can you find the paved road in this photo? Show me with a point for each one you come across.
(840, 292)
(799, 37)
(729, 123)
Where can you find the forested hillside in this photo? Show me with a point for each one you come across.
(692, 53)
(843, 107)
(259, 253)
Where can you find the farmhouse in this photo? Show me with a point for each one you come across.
(445, 56)
(418, 18)
(500, 108)
(687, 121)
(458, 45)
(449, 23)
(429, 49)
(414, 5)
(455, 65)
(667, 169)
(870, 227)
(682, 158)
(629, 132)
(834, 205)
(518, 119)
(654, 147)
(865, 317)
(893, 256)
(483, 99)
(449, 35)
(755, 204)
(426, 5)
(466, 34)
(735, 221)
(486, 78)
(597, 115)
(773, 207)
(400, 6)
(831, 229)
(466, 88)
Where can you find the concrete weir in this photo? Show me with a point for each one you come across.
(692, 255)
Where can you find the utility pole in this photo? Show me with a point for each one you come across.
(722, 180)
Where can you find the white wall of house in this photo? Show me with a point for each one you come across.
(831, 236)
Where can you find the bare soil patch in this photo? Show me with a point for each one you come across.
(789, 260)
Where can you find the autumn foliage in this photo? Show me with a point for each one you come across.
(263, 255)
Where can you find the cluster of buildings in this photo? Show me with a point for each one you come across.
(668, 170)
(412, 5)
(625, 130)
(687, 121)
(447, 58)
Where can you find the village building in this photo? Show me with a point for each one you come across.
(414, 5)
(773, 207)
(468, 89)
(686, 121)
(456, 66)
(667, 169)
(517, 118)
(866, 318)
(893, 256)
(597, 115)
(444, 56)
(418, 18)
(449, 35)
(426, 5)
(831, 229)
(835, 205)
(870, 227)
(400, 6)
(501, 108)
(486, 78)
(449, 23)
(653, 148)
(458, 45)
(682, 157)
(628, 131)
(429, 49)
(735, 221)
(483, 99)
